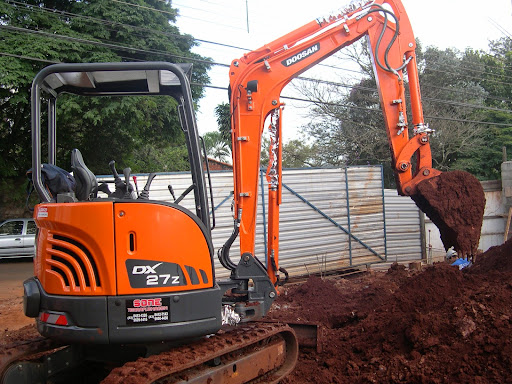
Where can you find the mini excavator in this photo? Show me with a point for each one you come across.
(124, 288)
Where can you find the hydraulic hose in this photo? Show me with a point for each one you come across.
(223, 253)
(388, 67)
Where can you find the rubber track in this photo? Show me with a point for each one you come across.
(150, 369)
(27, 343)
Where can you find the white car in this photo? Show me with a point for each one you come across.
(17, 238)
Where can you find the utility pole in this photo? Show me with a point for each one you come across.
(247, 13)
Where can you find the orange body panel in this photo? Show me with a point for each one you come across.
(164, 234)
(275, 64)
(83, 248)
(75, 252)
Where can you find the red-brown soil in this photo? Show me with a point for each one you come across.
(455, 203)
(12, 275)
(439, 325)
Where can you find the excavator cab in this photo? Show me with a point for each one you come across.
(105, 265)
(117, 267)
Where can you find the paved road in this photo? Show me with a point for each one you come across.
(12, 275)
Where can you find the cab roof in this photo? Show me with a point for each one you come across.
(110, 79)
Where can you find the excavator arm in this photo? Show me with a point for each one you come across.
(256, 82)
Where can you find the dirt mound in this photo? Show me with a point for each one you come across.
(455, 203)
(441, 325)
(21, 335)
(495, 259)
(312, 291)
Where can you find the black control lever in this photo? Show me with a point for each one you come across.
(117, 179)
(129, 188)
(103, 187)
(185, 193)
(144, 195)
(120, 186)
(171, 191)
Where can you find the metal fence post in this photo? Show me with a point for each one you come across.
(348, 219)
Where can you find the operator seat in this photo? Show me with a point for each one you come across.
(86, 183)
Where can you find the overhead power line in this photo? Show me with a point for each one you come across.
(231, 26)
(500, 28)
(426, 85)
(442, 101)
(468, 76)
(301, 99)
(209, 42)
(110, 45)
(465, 92)
(173, 14)
(53, 11)
(29, 58)
(133, 49)
(226, 65)
(223, 13)
(483, 72)
(379, 110)
(202, 10)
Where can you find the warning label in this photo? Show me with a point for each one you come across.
(147, 311)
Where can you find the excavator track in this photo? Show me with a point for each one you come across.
(21, 346)
(248, 353)
(252, 353)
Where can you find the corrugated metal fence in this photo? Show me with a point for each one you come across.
(330, 219)
(403, 229)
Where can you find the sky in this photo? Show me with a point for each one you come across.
(250, 24)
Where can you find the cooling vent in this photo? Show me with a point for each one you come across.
(192, 274)
(73, 262)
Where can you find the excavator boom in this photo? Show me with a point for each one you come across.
(258, 77)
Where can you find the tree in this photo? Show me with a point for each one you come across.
(217, 146)
(296, 154)
(218, 143)
(223, 113)
(348, 127)
(37, 33)
(451, 100)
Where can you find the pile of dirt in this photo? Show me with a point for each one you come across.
(455, 203)
(440, 325)
(496, 260)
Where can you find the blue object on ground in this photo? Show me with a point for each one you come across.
(462, 263)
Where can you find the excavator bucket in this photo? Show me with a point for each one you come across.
(455, 203)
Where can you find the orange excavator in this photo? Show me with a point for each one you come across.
(124, 288)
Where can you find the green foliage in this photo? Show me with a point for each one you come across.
(296, 154)
(217, 146)
(171, 157)
(223, 114)
(458, 90)
(218, 143)
(130, 130)
(126, 128)
(299, 154)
